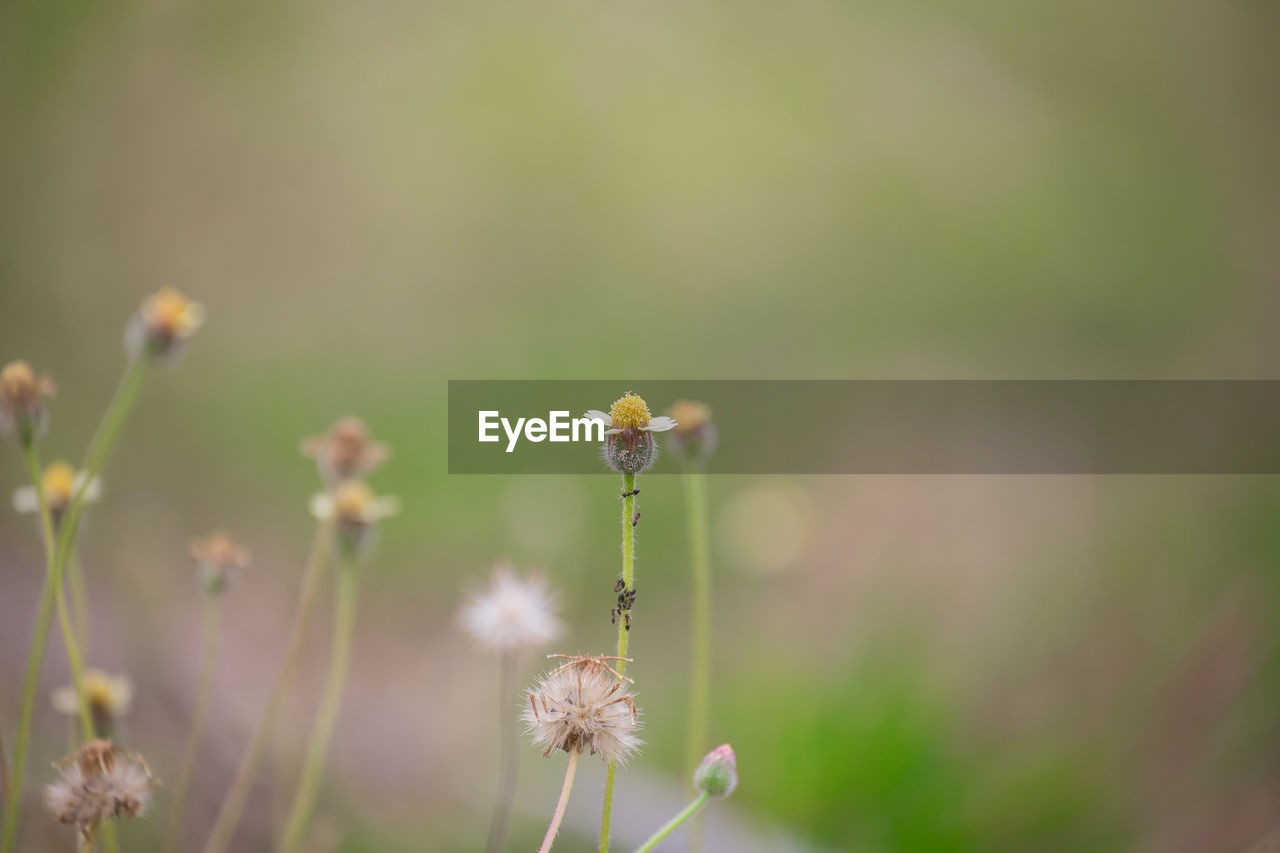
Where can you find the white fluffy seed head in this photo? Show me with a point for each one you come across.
(512, 613)
(99, 782)
(582, 707)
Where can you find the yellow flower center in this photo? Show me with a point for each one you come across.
(352, 500)
(629, 411)
(100, 692)
(58, 482)
(170, 312)
(16, 380)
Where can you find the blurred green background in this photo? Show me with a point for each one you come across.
(374, 198)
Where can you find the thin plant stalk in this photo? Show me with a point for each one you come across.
(304, 801)
(88, 835)
(509, 761)
(695, 484)
(224, 826)
(79, 590)
(624, 633)
(689, 811)
(204, 691)
(569, 772)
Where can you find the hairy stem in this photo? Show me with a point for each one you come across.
(233, 805)
(204, 690)
(695, 483)
(689, 811)
(304, 801)
(624, 633)
(569, 772)
(509, 761)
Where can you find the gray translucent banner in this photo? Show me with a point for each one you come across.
(896, 427)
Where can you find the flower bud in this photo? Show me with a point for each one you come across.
(219, 558)
(717, 775)
(23, 414)
(694, 438)
(162, 326)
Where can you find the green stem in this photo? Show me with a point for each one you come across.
(695, 483)
(689, 811)
(304, 801)
(569, 772)
(233, 805)
(624, 633)
(509, 761)
(79, 598)
(204, 690)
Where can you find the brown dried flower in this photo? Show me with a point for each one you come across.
(23, 414)
(346, 451)
(583, 706)
(99, 781)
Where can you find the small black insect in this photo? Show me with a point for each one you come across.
(631, 493)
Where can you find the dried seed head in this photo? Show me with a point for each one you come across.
(163, 325)
(629, 446)
(99, 781)
(59, 482)
(346, 451)
(694, 437)
(717, 774)
(219, 559)
(354, 510)
(23, 414)
(583, 707)
(512, 613)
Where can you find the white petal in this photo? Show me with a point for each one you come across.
(26, 499)
(65, 700)
(612, 431)
(384, 506)
(662, 423)
(321, 506)
(597, 415)
(93, 491)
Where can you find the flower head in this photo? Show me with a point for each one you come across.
(717, 774)
(583, 706)
(346, 451)
(695, 435)
(219, 559)
(511, 613)
(354, 510)
(99, 781)
(109, 697)
(629, 447)
(23, 414)
(164, 323)
(59, 482)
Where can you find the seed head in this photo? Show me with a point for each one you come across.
(717, 774)
(346, 451)
(163, 325)
(59, 482)
(583, 707)
(219, 560)
(512, 613)
(97, 782)
(629, 446)
(23, 414)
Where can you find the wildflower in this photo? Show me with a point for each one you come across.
(163, 325)
(59, 483)
(512, 613)
(346, 451)
(23, 415)
(629, 446)
(582, 707)
(354, 509)
(97, 782)
(694, 437)
(219, 559)
(717, 775)
(109, 697)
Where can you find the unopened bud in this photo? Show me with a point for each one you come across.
(717, 775)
